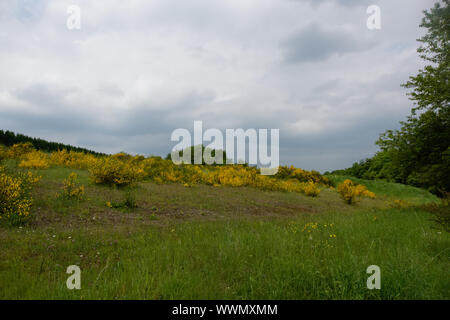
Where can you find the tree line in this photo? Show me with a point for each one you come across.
(9, 138)
(419, 152)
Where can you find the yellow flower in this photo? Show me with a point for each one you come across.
(70, 188)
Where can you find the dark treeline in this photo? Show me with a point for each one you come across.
(9, 138)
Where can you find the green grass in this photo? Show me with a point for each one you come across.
(390, 190)
(224, 243)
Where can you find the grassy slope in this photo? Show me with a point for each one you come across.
(391, 190)
(223, 243)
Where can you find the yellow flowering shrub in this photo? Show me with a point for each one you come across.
(15, 199)
(268, 183)
(19, 150)
(235, 176)
(161, 171)
(111, 171)
(310, 189)
(35, 160)
(72, 159)
(301, 175)
(351, 192)
(71, 189)
(122, 169)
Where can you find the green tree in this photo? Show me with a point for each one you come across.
(419, 152)
(192, 152)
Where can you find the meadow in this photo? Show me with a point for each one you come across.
(237, 237)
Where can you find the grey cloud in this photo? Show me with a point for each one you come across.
(135, 72)
(57, 115)
(347, 3)
(314, 43)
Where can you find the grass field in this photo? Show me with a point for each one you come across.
(205, 242)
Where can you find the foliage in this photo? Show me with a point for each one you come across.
(419, 152)
(71, 189)
(351, 192)
(310, 189)
(160, 171)
(35, 160)
(192, 152)
(113, 172)
(72, 159)
(15, 198)
(301, 175)
(19, 150)
(122, 169)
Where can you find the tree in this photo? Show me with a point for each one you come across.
(419, 152)
(192, 152)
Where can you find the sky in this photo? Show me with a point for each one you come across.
(137, 70)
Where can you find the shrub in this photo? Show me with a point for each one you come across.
(35, 160)
(310, 189)
(114, 172)
(301, 175)
(71, 189)
(72, 159)
(15, 198)
(235, 176)
(351, 192)
(19, 150)
(161, 171)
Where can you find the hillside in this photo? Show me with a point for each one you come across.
(193, 241)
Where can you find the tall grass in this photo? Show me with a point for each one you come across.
(234, 259)
(391, 190)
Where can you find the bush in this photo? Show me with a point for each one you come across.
(35, 160)
(72, 159)
(19, 150)
(310, 189)
(15, 198)
(351, 192)
(71, 189)
(114, 172)
(301, 175)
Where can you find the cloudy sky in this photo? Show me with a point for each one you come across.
(137, 70)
